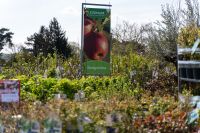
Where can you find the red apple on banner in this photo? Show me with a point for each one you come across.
(96, 46)
(88, 26)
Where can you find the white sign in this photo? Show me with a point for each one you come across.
(9, 90)
(10, 97)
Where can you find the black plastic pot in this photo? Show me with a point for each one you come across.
(183, 73)
(189, 72)
(189, 69)
(196, 73)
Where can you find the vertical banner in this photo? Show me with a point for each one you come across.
(96, 41)
(9, 91)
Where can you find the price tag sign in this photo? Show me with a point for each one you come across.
(9, 91)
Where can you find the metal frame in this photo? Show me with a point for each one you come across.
(93, 4)
(183, 79)
(178, 74)
(82, 30)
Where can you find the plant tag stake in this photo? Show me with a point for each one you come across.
(77, 97)
(35, 127)
(198, 105)
(81, 94)
(193, 115)
(63, 96)
(52, 125)
(24, 125)
(57, 96)
(27, 126)
(181, 98)
(1, 128)
(132, 73)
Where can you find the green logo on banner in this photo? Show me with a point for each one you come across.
(96, 68)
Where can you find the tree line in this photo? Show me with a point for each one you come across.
(48, 40)
(158, 39)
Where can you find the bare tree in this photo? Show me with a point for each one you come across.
(128, 36)
(162, 37)
(191, 12)
(127, 32)
(190, 30)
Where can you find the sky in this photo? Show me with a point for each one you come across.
(24, 17)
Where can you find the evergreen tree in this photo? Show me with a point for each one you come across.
(50, 40)
(5, 38)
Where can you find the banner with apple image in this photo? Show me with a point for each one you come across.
(96, 41)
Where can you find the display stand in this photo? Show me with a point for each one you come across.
(189, 69)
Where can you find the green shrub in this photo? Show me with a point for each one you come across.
(44, 88)
(2, 76)
(65, 86)
(41, 88)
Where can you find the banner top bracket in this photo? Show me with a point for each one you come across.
(93, 4)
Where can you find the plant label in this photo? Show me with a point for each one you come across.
(52, 125)
(35, 127)
(193, 116)
(1, 128)
(57, 96)
(28, 126)
(77, 97)
(81, 94)
(198, 105)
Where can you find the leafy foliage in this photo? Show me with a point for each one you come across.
(162, 39)
(191, 12)
(150, 113)
(128, 37)
(188, 35)
(43, 89)
(132, 99)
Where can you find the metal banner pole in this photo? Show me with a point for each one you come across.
(82, 17)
